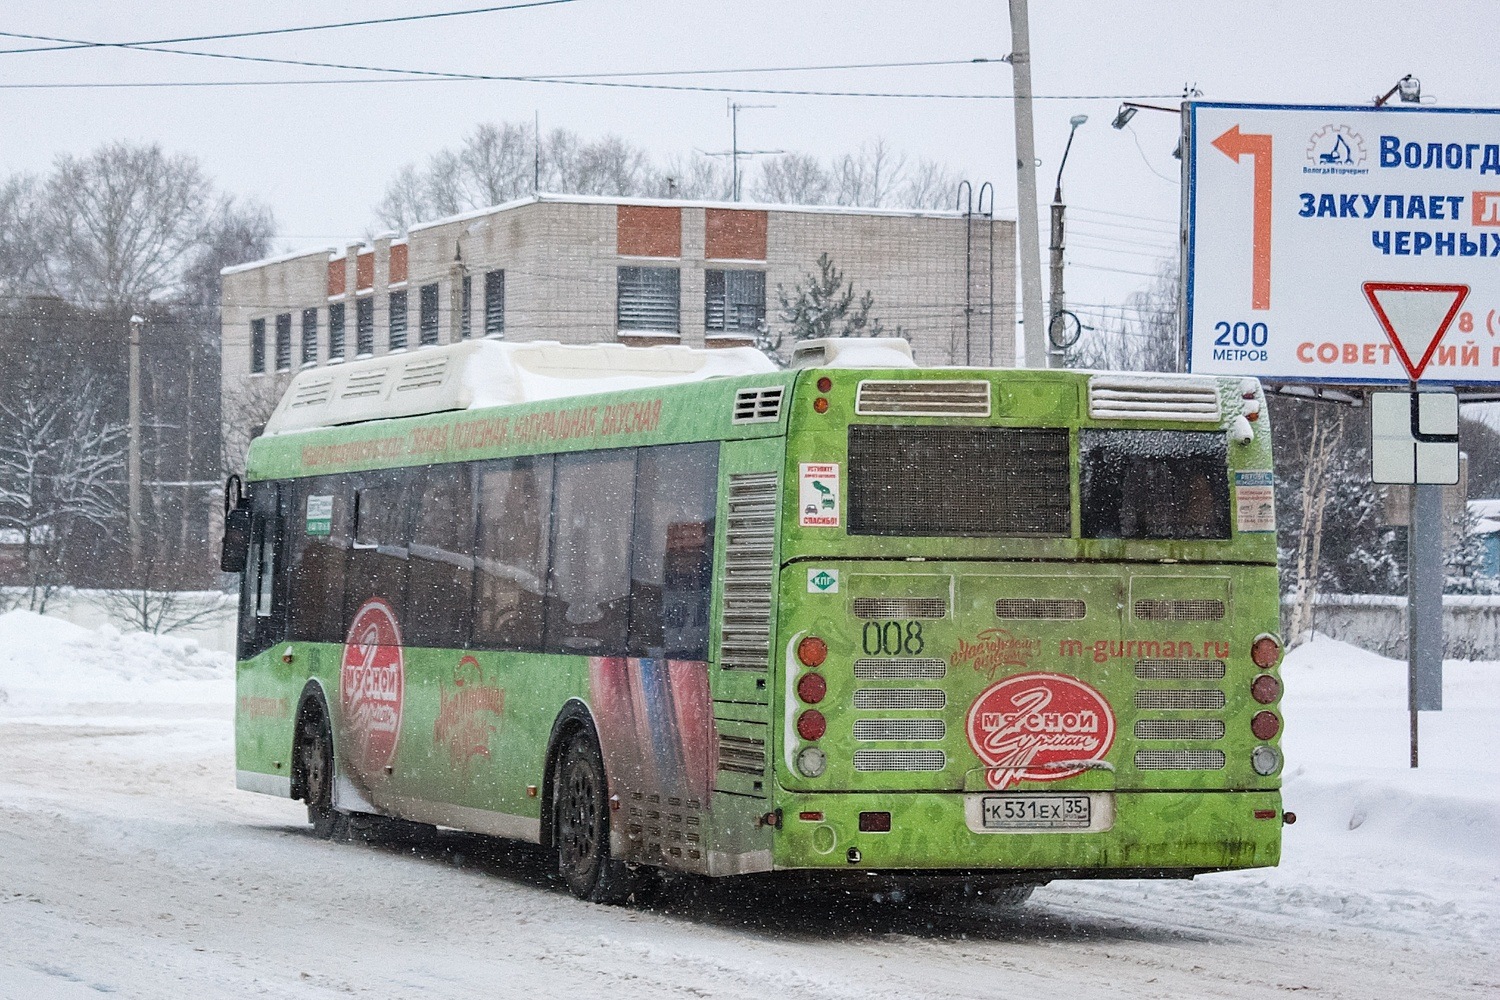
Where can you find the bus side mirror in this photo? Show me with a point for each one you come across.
(236, 548)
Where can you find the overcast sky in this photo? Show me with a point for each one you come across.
(321, 156)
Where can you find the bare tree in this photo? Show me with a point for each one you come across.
(144, 607)
(20, 246)
(870, 177)
(793, 179)
(123, 221)
(929, 185)
(498, 163)
(1140, 336)
(405, 200)
(60, 466)
(695, 177)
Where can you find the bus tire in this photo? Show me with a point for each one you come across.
(580, 828)
(315, 768)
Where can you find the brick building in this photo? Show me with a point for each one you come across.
(585, 270)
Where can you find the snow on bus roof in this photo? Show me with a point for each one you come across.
(484, 373)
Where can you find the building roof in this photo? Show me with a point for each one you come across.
(583, 199)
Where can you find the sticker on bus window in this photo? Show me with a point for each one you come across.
(818, 495)
(1254, 504)
(822, 581)
(320, 515)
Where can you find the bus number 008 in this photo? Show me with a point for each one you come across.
(893, 638)
(1241, 334)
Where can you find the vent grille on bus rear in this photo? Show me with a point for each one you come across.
(900, 669)
(1179, 670)
(900, 607)
(749, 570)
(1125, 397)
(742, 754)
(1179, 699)
(312, 391)
(758, 405)
(924, 398)
(1041, 609)
(899, 729)
(897, 698)
(423, 372)
(1180, 611)
(1179, 760)
(1179, 729)
(900, 760)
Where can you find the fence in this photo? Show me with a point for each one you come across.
(1471, 624)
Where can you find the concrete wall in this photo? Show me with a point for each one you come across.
(1471, 625)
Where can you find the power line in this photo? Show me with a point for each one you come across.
(550, 79)
(74, 45)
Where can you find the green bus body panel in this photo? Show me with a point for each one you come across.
(475, 724)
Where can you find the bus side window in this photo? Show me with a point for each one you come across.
(588, 581)
(515, 512)
(442, 559)
(671, 566)
(263, 598)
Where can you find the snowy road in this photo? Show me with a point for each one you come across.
(129, 865)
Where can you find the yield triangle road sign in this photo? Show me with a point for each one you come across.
(1414, 317)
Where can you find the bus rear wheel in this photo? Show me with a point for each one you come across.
(580, 825)
(315, 762)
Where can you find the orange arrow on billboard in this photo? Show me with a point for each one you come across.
(1235, 144)
(1414, 317)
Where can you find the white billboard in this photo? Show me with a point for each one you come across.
(1343, 245)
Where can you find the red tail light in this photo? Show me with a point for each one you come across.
(812, 651)
(825, 383)
(811, 725)
(1265, 689)
(1265, 651)
(812, 688)
(1265, 725)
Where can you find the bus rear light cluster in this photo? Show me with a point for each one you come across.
(812, 688)
(1265, 651)
(1265, 689)
(1265, 725)
(812, 651)
(1266, 761)
(811, 725)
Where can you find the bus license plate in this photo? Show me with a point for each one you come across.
(1037, 812)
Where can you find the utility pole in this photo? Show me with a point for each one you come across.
(1030, 264)
(1055, 312)
(133, 461)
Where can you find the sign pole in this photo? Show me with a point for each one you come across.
(1424, 601)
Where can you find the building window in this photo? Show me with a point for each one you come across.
(465, 297)
(309, 336)
(257, 345)
(428, 321)
(284, 342)
(494, 303)
(734, 301)
(398, 321)
(648, 300)
(364, 326)
(336, 331)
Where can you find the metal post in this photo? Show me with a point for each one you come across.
(1055, 307)
(133, 461)
(1029, 238)
(734, 154)
(1424, 602)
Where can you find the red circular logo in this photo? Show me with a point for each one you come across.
(1039, 727)
(371, 685)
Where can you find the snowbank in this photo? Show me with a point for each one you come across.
(52, 667)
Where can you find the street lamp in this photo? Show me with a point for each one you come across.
(1059, 335)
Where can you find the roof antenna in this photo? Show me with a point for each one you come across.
(536, 170)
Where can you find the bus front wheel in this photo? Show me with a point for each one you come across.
(581, 829)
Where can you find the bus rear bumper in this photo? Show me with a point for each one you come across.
(1151, 834)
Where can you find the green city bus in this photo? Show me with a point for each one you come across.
(675, 609)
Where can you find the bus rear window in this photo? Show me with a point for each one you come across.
(1154, 484)
(958, 481)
